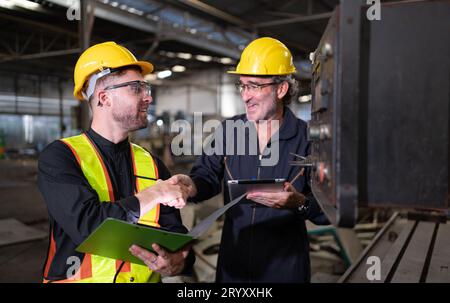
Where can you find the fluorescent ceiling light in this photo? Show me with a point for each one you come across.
(226, 60)
(135, 11)
(178, 68)
(26, 4)
(203, 58)
(171, 54)
(305, 98)
(186, 56)
(7, 4)
(164, 74)
(21, 3)
(150, 77)
(153, 17)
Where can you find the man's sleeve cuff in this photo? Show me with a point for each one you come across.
(200, 183)
(132, 208)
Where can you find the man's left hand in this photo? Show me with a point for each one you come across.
(165, 263)
(289, 198)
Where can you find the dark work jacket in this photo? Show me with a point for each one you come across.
(259, 243)
(74, 207)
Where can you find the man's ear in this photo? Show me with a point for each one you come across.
(103, 98)
(282, 89)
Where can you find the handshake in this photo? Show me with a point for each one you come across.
(172, 192)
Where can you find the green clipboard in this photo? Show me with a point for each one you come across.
(114, 237)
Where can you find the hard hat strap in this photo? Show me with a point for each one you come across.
(93, 80)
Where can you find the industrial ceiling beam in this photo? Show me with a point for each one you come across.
(42, 55)
(35, 24)
(283, 14)
(294, 20)
(216, 13)
(107, 12)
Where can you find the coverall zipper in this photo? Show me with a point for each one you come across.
(253, 221)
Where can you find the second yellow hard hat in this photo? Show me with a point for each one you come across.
(265, 56)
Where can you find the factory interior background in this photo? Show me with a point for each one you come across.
(192, 45)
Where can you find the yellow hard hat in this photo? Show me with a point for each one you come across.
(265, 56)
(102, 56)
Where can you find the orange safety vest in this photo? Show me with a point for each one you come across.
(97, 269)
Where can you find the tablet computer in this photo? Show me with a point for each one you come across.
(237, 188)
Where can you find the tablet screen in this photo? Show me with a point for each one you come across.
(240, 187)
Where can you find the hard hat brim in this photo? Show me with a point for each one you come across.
(235, 72)
(145, 66)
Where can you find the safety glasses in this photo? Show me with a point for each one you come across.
(140, 88)
(253, 87)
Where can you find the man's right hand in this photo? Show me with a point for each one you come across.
(164, 192)
(186, 182)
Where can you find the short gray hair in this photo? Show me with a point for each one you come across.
(293, 90)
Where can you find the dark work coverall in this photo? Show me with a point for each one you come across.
(259, 243)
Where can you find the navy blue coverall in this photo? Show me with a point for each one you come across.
(259, 243)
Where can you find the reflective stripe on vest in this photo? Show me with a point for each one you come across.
(100, 269)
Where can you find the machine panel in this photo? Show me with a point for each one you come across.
(380, 109)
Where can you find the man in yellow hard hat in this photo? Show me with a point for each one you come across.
(99, 174)
(264, 237)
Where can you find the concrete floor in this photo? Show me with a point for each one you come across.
(20, 199)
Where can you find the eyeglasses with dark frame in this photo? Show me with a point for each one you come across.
(139, 87)
(253, 87)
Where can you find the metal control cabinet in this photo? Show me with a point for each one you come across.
(380, 109)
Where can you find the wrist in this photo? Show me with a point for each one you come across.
(144, 197)
(146, 201)
(192, 187)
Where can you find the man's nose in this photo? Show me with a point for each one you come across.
(148, 99)
(246, 96)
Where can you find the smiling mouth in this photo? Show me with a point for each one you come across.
(251, 106)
